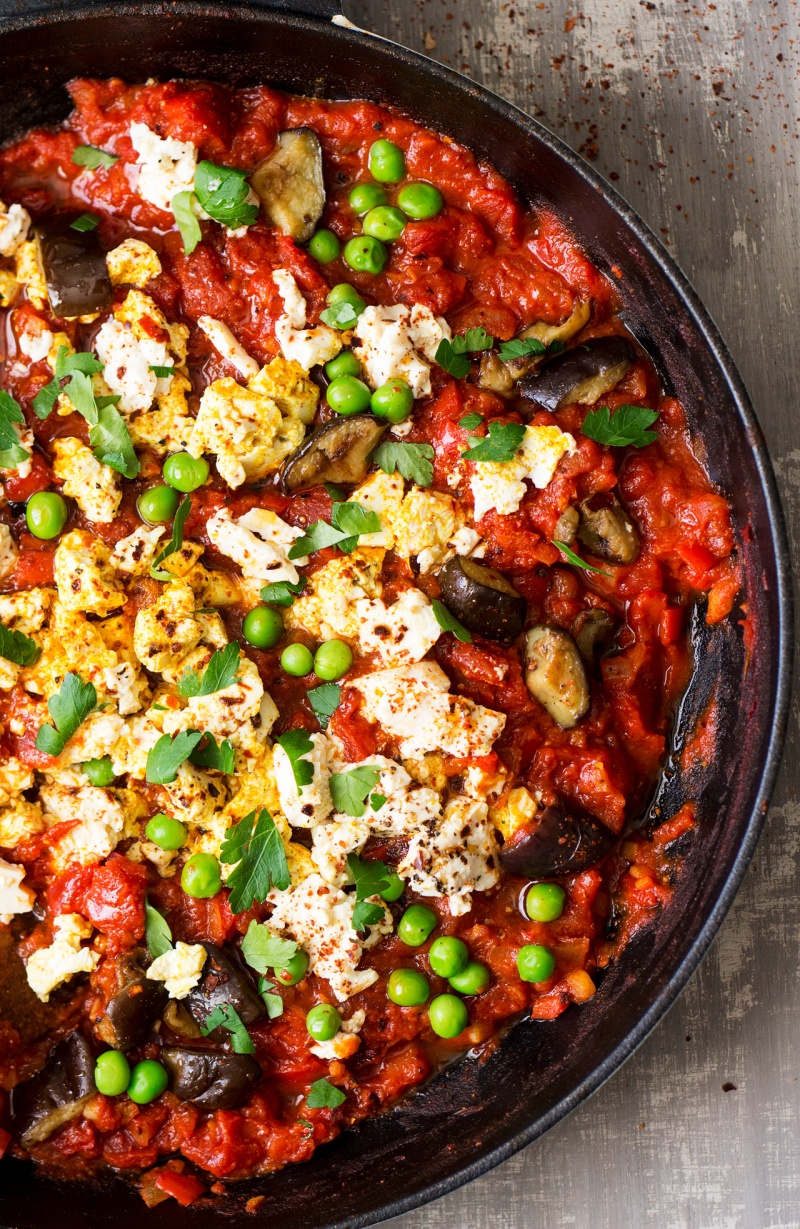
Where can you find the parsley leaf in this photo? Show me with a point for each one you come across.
(263, 950)
(370, 878)
(349, 790)
(470, 421)
(578, 562)
(273, 1002)
(525, 347)
(297, 744)
(324, 700)
(163, 373)
(175, 542)
(283, 592)
(449, 623)
(218, 674)
(209, 755)
(450, 354)
(108, 434)
(337, 494)
(91, 157)
(186, 220)
(376, 801)
(11, 451)
(322, 1095)
(500, 444)
(223, 192)
(254, 845)
(111, 441)
(474, 340)
(348, 522)
(69, 707)
(227, 1017)
(18, 648)
(340, 315)
(86, 221)
(413, 461)
(166, 757)
(627, 425)
(156, 931)
(367, 914)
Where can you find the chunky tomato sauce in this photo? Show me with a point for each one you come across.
(482, 262)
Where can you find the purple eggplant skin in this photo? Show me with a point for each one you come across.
(555, 843)
(207, 1078)
(581, 375)
(225, 982)
(57, 1094)
(131, 1013)
(337, 452)
(74, 266)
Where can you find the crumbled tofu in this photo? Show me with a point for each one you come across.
(333, 842)
(399, 634)
(95, 737)
(455, 858)
(49, 967)
(308, 347)
(15, 897)
(84, 580)
(289, 386)
(144, 317)
(517, 809)
(27, 610)
(195, 796)
(36, 346)
(224, 342)
(130, 754)
(133, 263)
(169, 428)
(310, 805)
(383, 494)
(180, 969)
(98, 818)
(167, 630)
(18, 822)
(164, 166)
(126, 686)
(133, 555)
(259, 542)
(320, 918)
(8, 552)
(14, 226)
(346, 1041)
(224, 711)
(72, 642)
(501, 484)
(9, 287)
(15, 778)
(429, 526)
(93, 486)
(29, 273)
(396, 341)
(9, 674)
(327, 606)
(245, 430)
(127, 363)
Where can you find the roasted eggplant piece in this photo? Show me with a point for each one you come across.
(74, 266)
(290, 184)
(555, 843)
(178, 1020)
(484, 601)
(567, 526)
(591, 629)
(57, 1094)
(579, 376)
(339, 452)
(134, 1008)
(225, 981)
(609, 533)
(502, 378)
(555, 675)
(209, 1079)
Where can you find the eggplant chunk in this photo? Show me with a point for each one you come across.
(502, 378)
(567, 526)
(339, 452)
(608, 533)
(555, 843)
(290, 184)
(484, 601)
(555, 675)
(225, 981)
(74, 266)
(211, 1080)
(579, 376)
(591, 629)
(57, 1094)
(134, 1008)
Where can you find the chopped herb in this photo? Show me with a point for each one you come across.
(108, 433)
(348, 522)
(166, 757)
(12, 453)
(322, 1095)
(91, 157)
(367, 914)
(305, 1123)
(208, 755)
(578, 562)
(470, 421)
(450, 354)
(283, 592)
(227, 1017)
(156, 931)
(340, 316)
(349, 790)
(273, 1002)
(501, 443)
(524, 347)
(20, 649)
(449, 623)
(255, 850)
(336, 493)
(324, 700)
(163, 373)
(625, 426)
(69, 707)
(222, 193)
(111, 441)
(412, 461)
(186, 220)
(86, 221)
(263, 950)
(175, 543)
(297, 744)
(218, 674)
(376, 801)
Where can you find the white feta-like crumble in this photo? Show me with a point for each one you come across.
(259, 542)
(93, 486)
(396, 340)
(98, 819)
(49, 967)
(308, 347)
(346, 1041)
(127, 361)
(36, 346)
(8, 552)
(14, 225)
(180, 969)
(15, 897)
(399, 634)
(164, 166)
(307, 805)
(332, 843)
(454, 858)
(223, 341)
(133, 555)
(501, 484)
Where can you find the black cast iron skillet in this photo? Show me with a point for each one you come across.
(475, 1115)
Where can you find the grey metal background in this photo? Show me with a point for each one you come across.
(692, 110)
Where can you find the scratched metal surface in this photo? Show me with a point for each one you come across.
(692, 110)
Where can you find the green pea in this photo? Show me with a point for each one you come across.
(99, 771)
(324, 246)
(112, 1073)
(471, 980)
(166, 831)
(420, 200)
(448, 956)
(393, 400)
(294, 970)
(184, 472)
(366, 196)
(46, 514)
(416, 924)
(158, 504)
(386, 223)
(365, 254)
(323, 1022)
(263, 627)
(395, 889)
(535, 963)
(148, 1080)
(332, 659)
(387, 162)
(544, 902)
(348, 395)
(296, 659)
(447, 1015)
(407, 988)
(201, 876)
(345, 364)
(343, 292)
